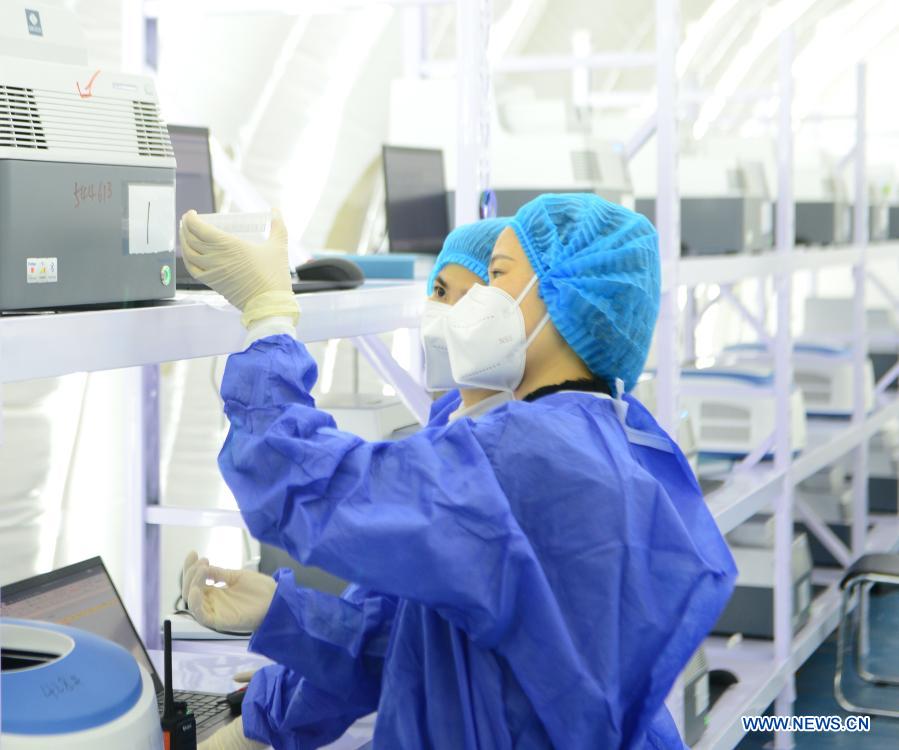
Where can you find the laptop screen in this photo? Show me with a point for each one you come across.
(193, 175)
(81, 596)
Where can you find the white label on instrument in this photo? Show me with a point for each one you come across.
(41, 270)
(151, 219)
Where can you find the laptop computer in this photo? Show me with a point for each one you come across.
(83, 596)
(194, 190)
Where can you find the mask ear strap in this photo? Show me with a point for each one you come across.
(635, 436)
(543, 322)
(536, 331)
(524, 292)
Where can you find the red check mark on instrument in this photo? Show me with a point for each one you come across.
(87, 93)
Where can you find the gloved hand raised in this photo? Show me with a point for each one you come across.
(230, 738)
(236, 601)
(255, 278)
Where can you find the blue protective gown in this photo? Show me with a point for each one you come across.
(329, 652)
(336, 648)
(551, 579)
(443, 408)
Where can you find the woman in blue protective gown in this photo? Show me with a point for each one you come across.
(353, 629)
(553, 563)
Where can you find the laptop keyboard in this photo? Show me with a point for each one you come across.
(207, 708)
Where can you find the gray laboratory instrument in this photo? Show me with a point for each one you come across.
(750, 610)
(893, 230)
(823, 210)
(824, 373)
(878, 214)
(696, 697)
(829, 319)
(725, 207)
(87, 174)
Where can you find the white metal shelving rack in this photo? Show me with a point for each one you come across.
(766, 670)
(198, 325)
(195, 324)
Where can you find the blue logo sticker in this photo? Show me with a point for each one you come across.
(34, 22)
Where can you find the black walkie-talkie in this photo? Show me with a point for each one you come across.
(179, 726)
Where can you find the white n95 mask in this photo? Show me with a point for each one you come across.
(486, 339)
(438, 374)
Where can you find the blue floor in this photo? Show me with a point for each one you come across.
(814, 687)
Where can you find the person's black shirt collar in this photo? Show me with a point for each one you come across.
(588, 385)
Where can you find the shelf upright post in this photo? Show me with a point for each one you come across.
(142, 550)
(415, 40)
(860, 341)
(783, 383)
(471, 60)
(580, 73)
(691, 320)
(859, 318)
(761, 300)
(142, 547)
(668, 226)
(667, 210)
(150, 428)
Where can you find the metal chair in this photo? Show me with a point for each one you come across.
(862, 575)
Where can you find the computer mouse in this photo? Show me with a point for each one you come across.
(330, 269)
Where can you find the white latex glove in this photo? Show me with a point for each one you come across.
(230, 737)
(236, 601)
(255, 278)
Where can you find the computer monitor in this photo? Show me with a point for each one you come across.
(193, 176)
(415, 199)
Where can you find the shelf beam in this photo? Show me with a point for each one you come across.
(170, 515)
(194, 324)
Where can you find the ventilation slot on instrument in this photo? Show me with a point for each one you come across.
(696, 667)
(726, 433)
(152, 134)
(20, 121)
(585, 165)
(718, 410)
(815, 388)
